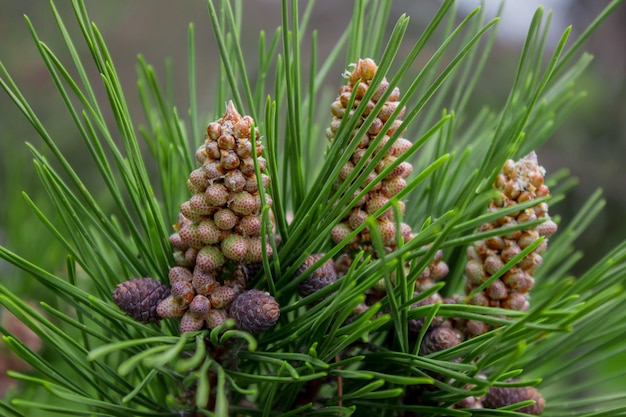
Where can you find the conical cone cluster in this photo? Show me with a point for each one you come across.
(394, 182)
(518, 182)
(218, 234)
(359, 82)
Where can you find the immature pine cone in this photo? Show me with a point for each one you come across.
(518, 182)
(255, 311)
(395, 181)
(502, 396)
(217, 238)
(139, 297)
(440, 338)
(359, 82)
(325, 275)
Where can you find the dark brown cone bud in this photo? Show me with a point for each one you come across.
(139, 297)
(255, 311)
(503, 396)
(415, 325)
(245, 272)
(323, 276)
(440, 338)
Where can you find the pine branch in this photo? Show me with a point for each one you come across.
(358, 302)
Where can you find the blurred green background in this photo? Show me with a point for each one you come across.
(591, 143)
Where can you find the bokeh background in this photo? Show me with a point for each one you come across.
(591, 143)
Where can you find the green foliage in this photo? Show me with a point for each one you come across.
(99, 362)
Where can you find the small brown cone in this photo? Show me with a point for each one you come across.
(503, 396)
(440, 338)
(321, 277)
(255, 311)
(139, 298)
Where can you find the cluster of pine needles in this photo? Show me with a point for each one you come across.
(359, 341)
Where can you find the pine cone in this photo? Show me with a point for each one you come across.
(223, 214)
(502, 396)
(217, 239)
(394, 182)
(255, 311)
(440, 338)
(139, 297)
(359, 82)
(323, 276)
(415, 325)
(518, 182)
